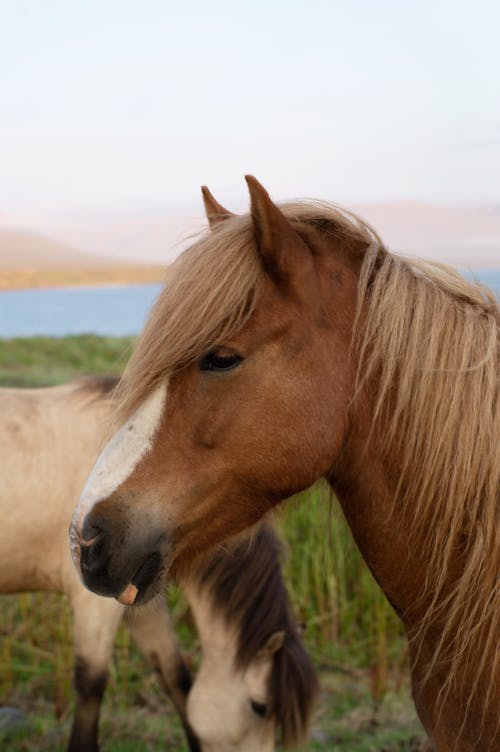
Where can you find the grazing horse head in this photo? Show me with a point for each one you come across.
(255, 677)
(237, 394)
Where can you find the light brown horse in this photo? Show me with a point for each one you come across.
(261, 681)
(290, 344)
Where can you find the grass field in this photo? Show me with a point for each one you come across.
(351, 632)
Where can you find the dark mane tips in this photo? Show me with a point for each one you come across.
(294, 688)
(246, 586)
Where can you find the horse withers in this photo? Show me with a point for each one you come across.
(50, 437)
(289, 344)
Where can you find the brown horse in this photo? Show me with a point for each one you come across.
(290, 344)
(261, 682)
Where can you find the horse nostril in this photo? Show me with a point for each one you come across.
(93, 549)
(90, 531)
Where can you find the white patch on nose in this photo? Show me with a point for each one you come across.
(117, 461)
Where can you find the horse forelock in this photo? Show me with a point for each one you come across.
(211, 291)
(246, 588)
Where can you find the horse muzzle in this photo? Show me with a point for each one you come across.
(117, 556)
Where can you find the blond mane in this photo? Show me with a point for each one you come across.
(210, 292)
(433, 340)
(439, 392)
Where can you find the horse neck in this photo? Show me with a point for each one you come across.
(365, 485)
(365, 482)
(376, 491)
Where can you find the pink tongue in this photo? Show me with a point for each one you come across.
(128, 596)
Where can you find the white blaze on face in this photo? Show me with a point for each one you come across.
(117, 461)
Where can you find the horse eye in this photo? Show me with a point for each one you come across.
(215, 360)
(258, 708)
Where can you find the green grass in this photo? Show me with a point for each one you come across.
(351, 631)
(42, 361)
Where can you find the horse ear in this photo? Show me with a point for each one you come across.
(285, 256)
(214, 211)
(271, 646)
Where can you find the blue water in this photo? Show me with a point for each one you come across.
(56, 312)
(113, 311)
(489, 277)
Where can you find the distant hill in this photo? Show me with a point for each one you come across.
(456, 235)
(23, 250)
(469, 236)
(142, 237)
(31, 260)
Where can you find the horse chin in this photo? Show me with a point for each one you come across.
(147, 583)
(142, 596)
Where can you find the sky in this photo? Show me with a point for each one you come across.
(117, 103)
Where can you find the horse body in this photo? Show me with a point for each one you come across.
(290, 345)
(36, 448)
(50, 437)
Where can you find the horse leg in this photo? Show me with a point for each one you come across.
(96, 620)
(152, 631)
